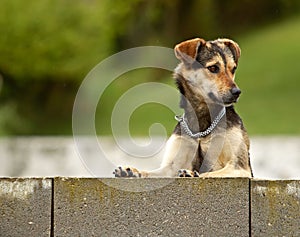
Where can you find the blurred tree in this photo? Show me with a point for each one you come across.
(47, 47)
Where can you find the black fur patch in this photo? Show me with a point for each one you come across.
(197, 163)
(218, 50)
(233, 119)
(205, 55)
(177, 129)
(179, 82)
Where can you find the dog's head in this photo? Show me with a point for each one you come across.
(208, 68)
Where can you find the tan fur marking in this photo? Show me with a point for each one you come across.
(188, 49)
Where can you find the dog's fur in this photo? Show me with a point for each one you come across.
(205, 78)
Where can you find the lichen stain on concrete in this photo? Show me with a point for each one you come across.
(273, 191)
(75, 188)
(22, 188)
(85, 190)
(137, 185)
(281, 197)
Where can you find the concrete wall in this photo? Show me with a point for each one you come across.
(149, 207)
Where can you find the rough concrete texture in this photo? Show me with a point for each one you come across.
(151, 207)
(275, 208)
(25, 207)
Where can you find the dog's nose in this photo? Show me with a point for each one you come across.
(235, 91)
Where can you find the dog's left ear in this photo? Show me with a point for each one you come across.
(234, 47)
(187, 50)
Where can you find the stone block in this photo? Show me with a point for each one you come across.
(151, 207)
(25, 207)
(275, 208)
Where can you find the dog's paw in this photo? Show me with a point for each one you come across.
(127, 172)
(187, 173)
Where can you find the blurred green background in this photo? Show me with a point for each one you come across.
(47, 47)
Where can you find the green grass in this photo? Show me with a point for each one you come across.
(268, 75)
(151, 110)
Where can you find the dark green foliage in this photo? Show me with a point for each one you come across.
(47, 47)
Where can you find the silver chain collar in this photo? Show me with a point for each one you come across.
(188, 131)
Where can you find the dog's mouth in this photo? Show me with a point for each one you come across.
(226, 100)
(230, 101)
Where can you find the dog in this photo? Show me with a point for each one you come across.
(210, 139)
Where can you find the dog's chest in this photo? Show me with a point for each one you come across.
(212, 152)
(204, 144)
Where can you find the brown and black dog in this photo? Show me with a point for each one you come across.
(209, 139)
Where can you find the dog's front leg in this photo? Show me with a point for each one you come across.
(179, 154)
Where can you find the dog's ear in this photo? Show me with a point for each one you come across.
(234, 47)
(187, 50)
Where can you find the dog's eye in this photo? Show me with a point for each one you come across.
(233, 70)
(213, 69)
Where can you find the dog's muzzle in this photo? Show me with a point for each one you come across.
(232, 96)
(235, 92)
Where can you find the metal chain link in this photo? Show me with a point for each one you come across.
(188, 131)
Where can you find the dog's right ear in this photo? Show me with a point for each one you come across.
(187, 50)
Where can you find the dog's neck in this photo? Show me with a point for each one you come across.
(198, 114)
(200, 117)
